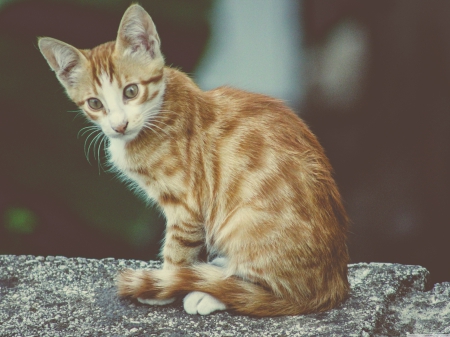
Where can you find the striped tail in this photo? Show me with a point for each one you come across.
(238, 295)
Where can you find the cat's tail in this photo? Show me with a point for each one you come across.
(238, 295)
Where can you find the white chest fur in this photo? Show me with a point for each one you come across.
(118, 154)
(121, 161)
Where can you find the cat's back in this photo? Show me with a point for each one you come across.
(244, 104)
(229, 110)
(265, 121)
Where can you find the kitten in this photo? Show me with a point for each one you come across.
(236, 174)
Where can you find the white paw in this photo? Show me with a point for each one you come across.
(151, 301)
(201, 303)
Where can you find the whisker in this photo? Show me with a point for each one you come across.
(165, 110)
(148, 123)
(156, 116)
(100, 166)
(151, 127)
(86, 153)
(80, 114)
(150, 114)
(86, 129)
(157, 120)
(93, 128)
(93, 141)
(148, 127)
(152, 121)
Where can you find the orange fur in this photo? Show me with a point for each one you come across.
(236, 173)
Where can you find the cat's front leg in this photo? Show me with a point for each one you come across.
(183, 243)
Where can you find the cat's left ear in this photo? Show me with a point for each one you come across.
(137, 33)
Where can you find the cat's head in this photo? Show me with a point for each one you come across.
(119, 85)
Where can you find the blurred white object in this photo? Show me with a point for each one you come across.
(337, 67)
(256, 46)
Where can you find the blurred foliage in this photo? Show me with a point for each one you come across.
(20, 220)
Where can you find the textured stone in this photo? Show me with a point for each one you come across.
(418, 312)
(57, 296)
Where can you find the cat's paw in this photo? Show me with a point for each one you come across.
(154, 301)
(201, 303)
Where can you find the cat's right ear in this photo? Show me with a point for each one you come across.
(65, 60)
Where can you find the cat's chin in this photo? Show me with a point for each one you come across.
(127, 137)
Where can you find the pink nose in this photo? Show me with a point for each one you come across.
(121, 128)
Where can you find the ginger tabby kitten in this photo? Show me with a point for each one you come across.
(237, 175)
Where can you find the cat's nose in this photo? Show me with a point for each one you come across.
(120, 128)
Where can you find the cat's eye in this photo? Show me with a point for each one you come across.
(95, 103)
(131, 91)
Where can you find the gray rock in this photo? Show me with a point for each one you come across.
(57, 296)
(418, 312)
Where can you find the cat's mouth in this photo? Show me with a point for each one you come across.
(126, 134)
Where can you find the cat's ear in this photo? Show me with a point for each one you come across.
(137, 33)
(65, 60)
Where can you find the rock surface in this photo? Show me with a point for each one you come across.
(57, 296)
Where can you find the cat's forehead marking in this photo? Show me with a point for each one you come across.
(111, 92)
(101, 62)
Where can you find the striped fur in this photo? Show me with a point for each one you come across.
(236, 174)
